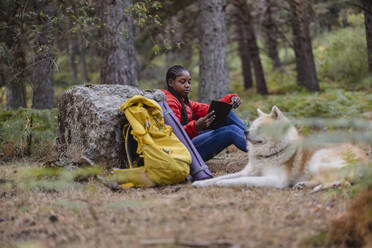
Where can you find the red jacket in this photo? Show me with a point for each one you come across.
(199, 109)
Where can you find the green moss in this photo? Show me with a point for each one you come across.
(317, 240)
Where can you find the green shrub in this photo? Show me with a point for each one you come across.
(332, 103)
(27, 132)
(342, 57)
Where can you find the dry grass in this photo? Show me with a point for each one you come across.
(174, 216)
(354, 227)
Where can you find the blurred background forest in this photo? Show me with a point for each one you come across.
(311, 58)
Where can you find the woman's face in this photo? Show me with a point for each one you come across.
(182, 83)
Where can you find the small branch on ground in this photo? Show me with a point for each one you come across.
(188, 243)
(110, 185)
(3, 181)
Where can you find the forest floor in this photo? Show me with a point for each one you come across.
(173, 216)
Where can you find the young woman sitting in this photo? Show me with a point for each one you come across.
(195, 118)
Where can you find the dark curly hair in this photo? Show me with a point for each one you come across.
(172, 73)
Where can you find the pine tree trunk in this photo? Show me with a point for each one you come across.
(2, 80)
(367, 5)
(300, 56)
(16, 89)
(187, 53)
(305, 65)
(118, 59)
(243, 49)
(213, 67)
(72, 45)
(73, 64)
(43, 93)
(271, 35)
(253, 48)
(345, 22)
(82, 49)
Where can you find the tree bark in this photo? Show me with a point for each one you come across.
(243, 49)
(2, 78)
(252, 46)
(14, 66)
(73, 49)
(300, 56)
(305, 65)
(270, 32)
(118, 58)
(16, 89)
(367, 6)
(213, 67)
(43, 93)
(82, 49)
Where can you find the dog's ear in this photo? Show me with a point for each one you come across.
(260, 113)
(276, 113)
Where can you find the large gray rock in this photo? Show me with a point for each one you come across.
(90, 123)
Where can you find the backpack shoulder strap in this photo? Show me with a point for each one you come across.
(126, 132)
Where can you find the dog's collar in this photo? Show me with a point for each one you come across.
(275, 153)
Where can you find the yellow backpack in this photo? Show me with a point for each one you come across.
(166, 160)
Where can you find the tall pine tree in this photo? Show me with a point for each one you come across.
(118, 56)
(213, 67)
(305, 65)
(44, 58)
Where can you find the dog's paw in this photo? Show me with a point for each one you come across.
(300, 185)
(347, 184)
(317, 188)
(336, 184)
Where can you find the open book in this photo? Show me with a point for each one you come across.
(221, 110)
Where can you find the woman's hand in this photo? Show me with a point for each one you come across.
(204, 122)
(235, 101)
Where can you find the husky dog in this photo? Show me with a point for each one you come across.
(279, 158)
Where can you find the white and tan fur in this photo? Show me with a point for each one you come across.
(282, 160)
